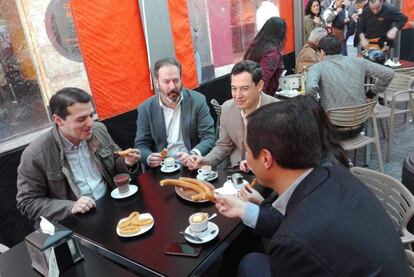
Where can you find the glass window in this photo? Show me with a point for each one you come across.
(223, 30)
(39, 54)
(22, 108)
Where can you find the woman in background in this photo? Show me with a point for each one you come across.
(266, 49)
(312, 17)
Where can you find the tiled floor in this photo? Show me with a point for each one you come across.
(402, 146)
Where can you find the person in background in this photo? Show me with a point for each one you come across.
(177, 119)
(266, 49)
(71, 166)
(310, 53)
(246, 90)
(338, 17)
(340, 81)
(379, 23)
(319, 209)
(359, 5)
(312, 17)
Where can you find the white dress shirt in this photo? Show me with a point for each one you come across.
(85, 172)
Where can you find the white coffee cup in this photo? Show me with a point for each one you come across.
(198, 224)
(168, 162)
(205, 170)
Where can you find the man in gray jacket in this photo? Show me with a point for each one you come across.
(65, 170)
(246, 89)
(339, 80)
(176, 118)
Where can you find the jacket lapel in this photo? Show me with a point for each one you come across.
(186, 114)
(157, 114)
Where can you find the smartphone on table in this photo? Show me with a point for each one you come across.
(182, 249)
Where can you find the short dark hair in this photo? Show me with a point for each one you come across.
(375, 1)
(330, 45)
(166, 61)
(250, 67)
(360, 1)
(65, 98)
(287, 132)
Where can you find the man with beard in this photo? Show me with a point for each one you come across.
(379, 23)
(177, 119)
(65, 170)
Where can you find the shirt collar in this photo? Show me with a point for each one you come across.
(68, 145)
(281, 202)
(165, 107)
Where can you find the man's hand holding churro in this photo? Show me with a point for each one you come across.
(196, 161)
(248, 193)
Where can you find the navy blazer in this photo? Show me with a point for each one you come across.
(334, 226)
(197, 125)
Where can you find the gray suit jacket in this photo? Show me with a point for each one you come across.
(230, 142)
(197, 125)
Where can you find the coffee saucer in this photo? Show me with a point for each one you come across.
(169, 170)
(132, 190)
(213, 175)
(212, 232)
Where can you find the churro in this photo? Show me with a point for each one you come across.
(174, 182)
(125, 153)
(132, 224)
(164, 153)
(253, 183)
(203, 192)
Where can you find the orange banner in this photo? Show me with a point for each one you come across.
(286, 12)
(113, 47)
(184, 51)
(408, 9)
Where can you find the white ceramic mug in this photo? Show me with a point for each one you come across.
(168, 162)
(205, 170)
(198, 224)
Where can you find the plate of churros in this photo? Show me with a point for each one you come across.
(134, 225)
(191, 189)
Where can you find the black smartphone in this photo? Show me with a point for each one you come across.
(182, 249)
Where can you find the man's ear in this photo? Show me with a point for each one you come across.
(57, 119)
(323, 54)
(156, 84)
(267, 158)
(260, 85)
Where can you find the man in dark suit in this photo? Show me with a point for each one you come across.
(330, 224)
(177, 119)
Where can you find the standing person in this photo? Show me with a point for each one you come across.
(320, 209)
(246, 90)
(310, 53)
(266, 49)
(359, 5)
(312, 17)
(65, 170)
(337, 17)
(379, 23)
(177, 119)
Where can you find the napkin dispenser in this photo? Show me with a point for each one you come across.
(53, 254)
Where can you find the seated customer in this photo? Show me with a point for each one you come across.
(330, 219)
(65, 170)
(176, 118)
(340, 80)
(246, 90)
(310, 53)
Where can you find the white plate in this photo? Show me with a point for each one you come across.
(141, 231)
(132, 190)
(213, 175)
(169, 170)
(288, 93)
(208, 237)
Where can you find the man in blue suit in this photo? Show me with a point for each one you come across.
(325, 222)
(177, 119)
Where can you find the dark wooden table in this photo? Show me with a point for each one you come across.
(144, 254)
(16, 262)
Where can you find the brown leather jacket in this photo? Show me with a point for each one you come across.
(44, 183)
(308, 56)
